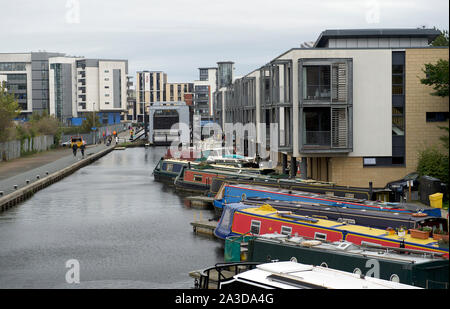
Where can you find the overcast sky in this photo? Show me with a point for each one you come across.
(179, 36)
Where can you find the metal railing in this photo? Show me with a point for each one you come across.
(319, 138)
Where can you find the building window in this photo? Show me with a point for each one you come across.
(384, 161)
(12, 66)
(437, 116)
(398, 121)
(397, 79)
(203, 74)
(317, 126)
(317, 82)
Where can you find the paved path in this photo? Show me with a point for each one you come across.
(18, 171)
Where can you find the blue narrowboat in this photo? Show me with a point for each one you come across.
(236, 193)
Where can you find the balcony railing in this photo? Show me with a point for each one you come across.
(318, 93)
(317, 138)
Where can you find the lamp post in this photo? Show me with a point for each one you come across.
(93, 122)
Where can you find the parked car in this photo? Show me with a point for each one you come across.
(66, 144)
(402, 184)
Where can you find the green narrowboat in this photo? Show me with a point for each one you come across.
(410, 267)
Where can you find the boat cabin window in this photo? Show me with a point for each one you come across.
(320, 236)
(255, 227)
(286, 230)
(169, 167)
(198, 178)
(176, 168)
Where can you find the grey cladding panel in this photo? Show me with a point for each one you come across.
(117, 83)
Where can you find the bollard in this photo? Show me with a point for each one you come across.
(38, 176)
(15, 187)
(27, 181)
(1, 193)
(46, 173)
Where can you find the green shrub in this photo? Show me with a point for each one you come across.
(433, 163)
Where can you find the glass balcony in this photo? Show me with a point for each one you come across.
(317, 138)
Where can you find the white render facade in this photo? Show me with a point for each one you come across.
(203, 92)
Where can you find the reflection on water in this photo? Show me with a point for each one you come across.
(126, 230)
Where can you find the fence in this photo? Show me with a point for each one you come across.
(14, 149)
(97, 135)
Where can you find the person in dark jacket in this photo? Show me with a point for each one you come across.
(74, 149)
(82, 149)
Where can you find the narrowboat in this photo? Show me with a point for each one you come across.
(372, 218)
(240, 219)
(198, 178)
(168, 169)
(294, 275)
(318, 187)
(418, 269)
(230, 193)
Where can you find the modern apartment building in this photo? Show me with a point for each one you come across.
(64, 86)
(176, 91)
(203, 91)
(27, 76)
(152, 87)
(351, 109)
(102, 88)
(224, 92)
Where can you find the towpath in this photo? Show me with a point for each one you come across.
(17, 172)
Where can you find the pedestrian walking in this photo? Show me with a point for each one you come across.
(82, 149)
(74, 149)
(104, 137)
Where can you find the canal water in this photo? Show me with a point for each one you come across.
(124, 229)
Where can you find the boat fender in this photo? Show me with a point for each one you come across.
(311, 243)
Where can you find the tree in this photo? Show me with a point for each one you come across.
(9, 109)
(437, 77)
(442, 39)
(90, 122)
(44, 123)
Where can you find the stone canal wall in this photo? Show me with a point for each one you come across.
(14, 149)
(24, 193)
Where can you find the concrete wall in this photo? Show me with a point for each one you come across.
(14, 149)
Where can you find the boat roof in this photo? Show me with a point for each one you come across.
(352, 211)
(337, 199)
(291, 275)
(348, 248)
(271, 213)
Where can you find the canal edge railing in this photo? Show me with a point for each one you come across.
(26, 192)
